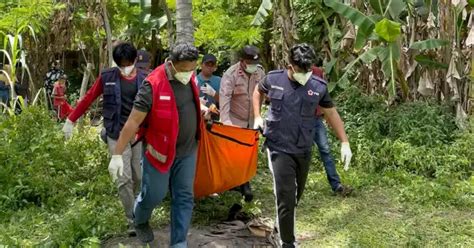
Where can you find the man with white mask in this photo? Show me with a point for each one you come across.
(235, 95)
(294, 94)
(167, 111)
(119, 86)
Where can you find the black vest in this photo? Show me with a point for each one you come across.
(112, 105)
(290, 119)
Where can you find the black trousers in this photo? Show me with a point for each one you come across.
(290, 172)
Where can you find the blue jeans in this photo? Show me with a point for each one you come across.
(321, 140)
(180, 180)
(5, 96)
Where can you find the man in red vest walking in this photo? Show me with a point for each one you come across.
(167, 109)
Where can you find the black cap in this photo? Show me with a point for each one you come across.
(209, 58)
(250, 53)
(143, 59)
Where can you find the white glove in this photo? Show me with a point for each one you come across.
(116, 167)
(346, 155)
(203, 100)
(68, 128)
(208, 90)
(205, 112)
(258, 123)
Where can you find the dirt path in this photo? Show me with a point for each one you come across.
(205, 237)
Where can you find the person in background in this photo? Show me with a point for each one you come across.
(209, 84)
(167, 108)
(60, 103)
(4, 86)
(22, 82)
(235, 96)
(294, 95)
(322, 142)
(51, 77)
(143, 61)
(119, 86)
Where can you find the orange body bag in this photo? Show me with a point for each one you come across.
(227, 158)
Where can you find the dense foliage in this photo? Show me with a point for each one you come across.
(60, 189)
(419, 139)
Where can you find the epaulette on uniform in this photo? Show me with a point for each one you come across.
(321, 80)
(108, 70)
(276, 72)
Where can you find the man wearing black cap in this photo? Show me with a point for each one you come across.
(143, 61)
(209, 84)
(235, 96)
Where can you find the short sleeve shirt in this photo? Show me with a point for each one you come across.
(214, 82)
(325, 101)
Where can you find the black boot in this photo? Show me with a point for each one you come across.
(246, 192)
(144, 233)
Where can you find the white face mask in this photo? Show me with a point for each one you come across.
(251, 68)
(183, 77)
(127, 70)
(301, 77)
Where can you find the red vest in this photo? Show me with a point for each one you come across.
(320, 73)
(161, 126)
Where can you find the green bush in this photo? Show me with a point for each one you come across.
(418, 140)
(62, 184)
(34, 152)
(419, 137)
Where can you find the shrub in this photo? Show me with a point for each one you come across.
(418, 140)
(39, 167)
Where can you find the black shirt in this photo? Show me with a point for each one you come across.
(128, 90)
(186, 143)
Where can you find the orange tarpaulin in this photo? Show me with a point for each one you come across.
(227, 158)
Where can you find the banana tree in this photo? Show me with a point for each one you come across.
(284, 25)
(381, 38)
(262, 12)
(13, 53)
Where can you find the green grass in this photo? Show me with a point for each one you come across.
(376, 215)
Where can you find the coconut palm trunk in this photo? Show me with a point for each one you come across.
(184, 22)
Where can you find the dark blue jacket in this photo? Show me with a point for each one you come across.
(290, 119)
(112, 105)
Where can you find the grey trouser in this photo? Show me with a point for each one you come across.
(129, 183)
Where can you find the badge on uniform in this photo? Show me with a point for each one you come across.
(311, 93)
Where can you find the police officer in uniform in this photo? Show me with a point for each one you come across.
(294, 94)
(235, 96)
